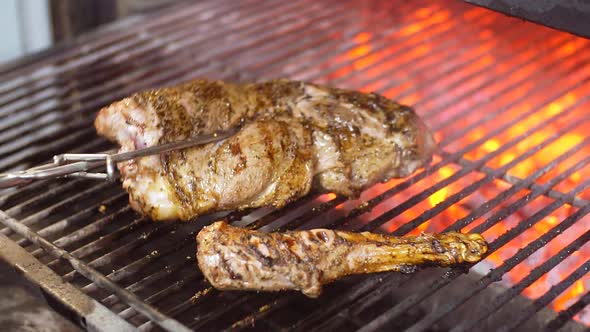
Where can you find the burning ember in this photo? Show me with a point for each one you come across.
(525, 119)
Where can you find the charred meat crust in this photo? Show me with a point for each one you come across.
(295, 135)
(240, 259)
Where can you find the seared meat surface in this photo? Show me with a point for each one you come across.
(295, 136)
(233, 258)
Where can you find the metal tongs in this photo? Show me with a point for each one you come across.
(81, 164)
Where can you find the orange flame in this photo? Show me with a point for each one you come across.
(372, 61)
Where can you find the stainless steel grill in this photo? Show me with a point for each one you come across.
(507, 100)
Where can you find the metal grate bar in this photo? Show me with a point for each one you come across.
(289, 225)
(453, 274)
(44, 213)
(273, 216)
(148, 280)
(91, 247)
(566, 315)
(149, 235)
(497, 173)
(78, 217)
(165, 292)
(87, 230)
(473, 54)
(71, 101)
(146, 58)
(82, 125)
(453, 157)
(388, 42)
(577, 202)
(544, 300)
(496, 274)
(133, 49)
(92, 274)
(39, 216)
(434, 188)
(33, 202)
(214, 315)
(90, 49)
(552, 165)
(534, 275)
(139, 264)
(384, 289)
(305, 61)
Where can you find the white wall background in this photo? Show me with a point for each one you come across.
(25, 26)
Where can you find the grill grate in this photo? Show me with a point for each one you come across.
(472, 74)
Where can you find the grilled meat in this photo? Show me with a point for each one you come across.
(295, 136)
(233, 258)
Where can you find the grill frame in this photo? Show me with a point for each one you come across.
(273, 44)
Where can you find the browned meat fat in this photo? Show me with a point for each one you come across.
(296, 136)
(233, 258)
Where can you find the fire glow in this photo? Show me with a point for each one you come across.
(533, 128)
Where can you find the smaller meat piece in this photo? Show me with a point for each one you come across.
(233, 258)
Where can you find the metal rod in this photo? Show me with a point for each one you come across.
(109, 35)
(533, 276)
(452, 274)
(407, 227)
(139, 285)
(120, 250)
(138, 44)
(148, 56)
(432, 189)
(496, 274)
(449, 158)
(564, 316)
(99, 103)
(163, 321)
(92, 314)
(544, 300)
(388, 286)
(87, 230)
(73, 219)
(308, 70)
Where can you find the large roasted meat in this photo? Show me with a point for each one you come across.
(233, 258)
(295, 136)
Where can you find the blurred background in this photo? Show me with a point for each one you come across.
(32, 25)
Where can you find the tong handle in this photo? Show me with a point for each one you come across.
(12, 180)
(80, 164)
(46, 171)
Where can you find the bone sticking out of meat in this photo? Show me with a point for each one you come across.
(233, 258)
(295, 137)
